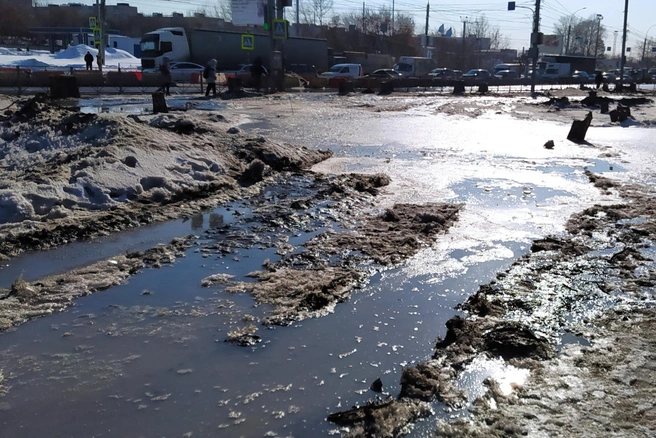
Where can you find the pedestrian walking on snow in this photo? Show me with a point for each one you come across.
(599, 79)
(165, 76)
(209, 74)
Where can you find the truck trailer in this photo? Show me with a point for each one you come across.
(201, 45)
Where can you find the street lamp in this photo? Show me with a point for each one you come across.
(644, 46)
(569, 28)
(599, 18)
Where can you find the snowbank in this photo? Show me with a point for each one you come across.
(72, 56)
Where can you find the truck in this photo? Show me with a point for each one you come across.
(414, 65)
(556, 70)
(581, 63)
(201, 45)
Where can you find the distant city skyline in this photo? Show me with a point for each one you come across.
(515, 25)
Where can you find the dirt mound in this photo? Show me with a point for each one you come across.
(70, 176)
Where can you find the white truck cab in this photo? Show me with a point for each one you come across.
(344, 71)
(170, 42)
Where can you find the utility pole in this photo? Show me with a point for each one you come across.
(614, 42)
(644, 47)
(599, 18)
(101, 23)
(427, 15)
(298, 21)
(464, 35)
(392, 32)
(535, 41)
(363, 29)
(623, 56)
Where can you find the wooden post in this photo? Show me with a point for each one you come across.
(159, 103)
(579, 129)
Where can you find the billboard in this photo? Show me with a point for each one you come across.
(551, 45)
(248, 12)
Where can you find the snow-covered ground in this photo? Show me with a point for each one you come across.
(72, 56)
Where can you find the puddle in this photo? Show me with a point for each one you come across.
(149, 357)
(37, 264)
(570, 338)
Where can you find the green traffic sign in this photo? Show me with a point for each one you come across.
(279, 29)
(247, 42)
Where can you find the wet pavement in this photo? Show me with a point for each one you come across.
(148, 358)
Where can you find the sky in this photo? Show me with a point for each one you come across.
(515, 25)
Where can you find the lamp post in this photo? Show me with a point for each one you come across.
(599, 18)
(644, 46)
(569, 28)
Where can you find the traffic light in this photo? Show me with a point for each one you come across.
(267, 21)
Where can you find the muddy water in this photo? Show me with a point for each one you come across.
(125, 363)
(149, 359)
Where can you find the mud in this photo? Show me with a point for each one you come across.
(69, 176)
(311, 282)
(596, 282)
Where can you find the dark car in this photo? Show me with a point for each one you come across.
(445, 74)
(506, 74)
(476, 74)
(582, 76)
(385, 73)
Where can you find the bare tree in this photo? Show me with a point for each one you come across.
(218, 8)
(315, 11)
(582, 35)
(481, 28)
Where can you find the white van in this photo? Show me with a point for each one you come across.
(344, 71)
(415, 66)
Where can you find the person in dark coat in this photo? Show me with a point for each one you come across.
(257, 70)
(88, 59)
(210, 76)
(165, 76)
(599, 79)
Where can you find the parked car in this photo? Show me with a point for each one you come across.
(444, 74)
(529, 75)
(651, 74)
(626, 78)
(457, 74)
(182, 71)
(385, 73)
(582, 76)
(306, 71)
(506, 74)
(476, 74)
(609, 76)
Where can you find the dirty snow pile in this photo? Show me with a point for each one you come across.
(56, 163)
(72, 56)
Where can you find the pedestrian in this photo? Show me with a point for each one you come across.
(165, 76)
(257, 70)
(210, 76)
(88, 59)
(599, 79)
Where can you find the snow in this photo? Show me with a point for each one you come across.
(72, 56)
